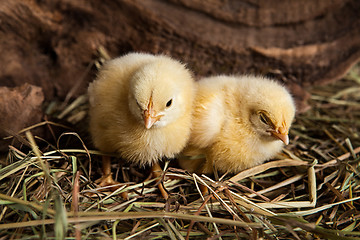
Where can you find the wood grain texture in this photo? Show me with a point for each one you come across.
(301, 43)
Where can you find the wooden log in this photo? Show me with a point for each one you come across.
(53, 44)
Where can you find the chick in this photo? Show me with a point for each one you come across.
(141, 108)
(239, 122)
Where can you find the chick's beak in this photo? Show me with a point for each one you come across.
(282, 134)
(150, 116)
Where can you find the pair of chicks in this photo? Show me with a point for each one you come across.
(146, 107)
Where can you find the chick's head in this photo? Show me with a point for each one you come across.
(160, 93)
(271, 111)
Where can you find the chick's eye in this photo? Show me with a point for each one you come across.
(263, 118)
(168, 104)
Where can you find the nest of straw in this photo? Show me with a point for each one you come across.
(48, 190)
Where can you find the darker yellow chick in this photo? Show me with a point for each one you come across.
(141, 108)
(239, 122)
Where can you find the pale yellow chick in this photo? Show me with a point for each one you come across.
(239, 122)
(141, 108)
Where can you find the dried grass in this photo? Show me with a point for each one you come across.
(312, 191)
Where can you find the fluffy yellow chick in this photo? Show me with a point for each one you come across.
(141, 108)
(239, 122)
